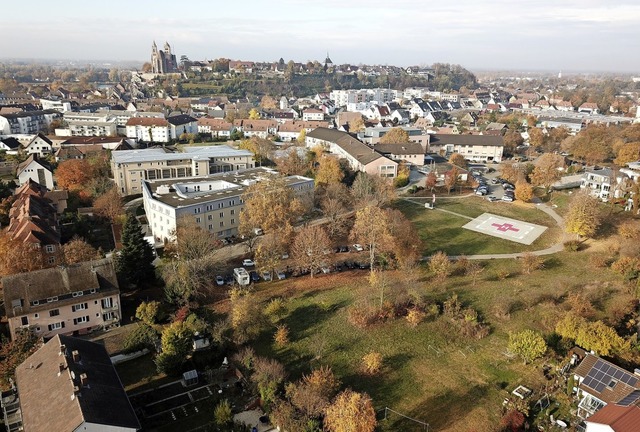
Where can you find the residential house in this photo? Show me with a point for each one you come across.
(73, 299)
(411, 153)
(589, 108)
(182, 124)
(377, 112)
(600, 383)
(290, 131)
(623, 416)
(35, 169)
(55, 104)
(562, 105)
(218, 128)
(400, 116)
(359, 156)
(312, 114)
(33, 221)
(259, 128)
(603, 183)
(10, 145)
(39, 145)
(241, 66)
(475, 148)
(469, 119)
(148, 129)
(214, 202)
(27, 122)
(131, 167)
(372, 135)
(70, 385)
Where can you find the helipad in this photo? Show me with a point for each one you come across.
(508, 229)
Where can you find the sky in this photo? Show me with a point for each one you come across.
(550, 35)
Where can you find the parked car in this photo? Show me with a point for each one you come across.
(325, 269)
(285, 255)
(350, 265)
(219, 280)
(358, 247)
(255, 277)
(266, 276)
(363, 265)
(494, 181)
(281, 275)
(492, 198)
(248, 263)
(508, 198)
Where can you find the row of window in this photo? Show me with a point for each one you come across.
(62, 297)
(209, 207)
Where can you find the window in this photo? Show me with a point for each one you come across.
(92, 291)
(56, 326)
(210, 227)
(233, 221)
(210, 217)
(108, 316)
(77, 294)
(52, 299)
(233, 211)
(221, 214)
(221, 224)
(25, 321)
(54, 312)
(51, 260)
(81, 306)
(107, 303)
(198, 220)
(35, 303)
(50, 248)
(81, 320)
(36, 316)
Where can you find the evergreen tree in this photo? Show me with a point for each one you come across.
(134, 264)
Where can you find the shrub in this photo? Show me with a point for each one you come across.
(148, 312)
(502, 308)
(372, 363)
(572, 246)
(143, 336)
(362, 315)
(169, 364)
(527, 344)
(281, 337)
(415, 316)
(598, 261)
(502, 274)
(625, 265)
(629, 230)
(512, 421)
(440, 265)
(530, 263)
(222, 413)
(275, 309)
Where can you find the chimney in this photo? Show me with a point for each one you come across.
(76, 356)
(84, 380)
(62, 350)
(60, 369)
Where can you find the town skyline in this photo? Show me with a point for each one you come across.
(498, 35)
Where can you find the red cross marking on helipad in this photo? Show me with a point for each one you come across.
(505, 227)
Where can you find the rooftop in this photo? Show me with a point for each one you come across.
(185, 192)
(59, 391)
(161, 154)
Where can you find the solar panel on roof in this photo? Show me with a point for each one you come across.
(630, 399)
(600, 387)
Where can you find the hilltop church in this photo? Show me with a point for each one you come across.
(163, 61)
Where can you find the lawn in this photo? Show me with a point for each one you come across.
(443, 231)
(431, 372)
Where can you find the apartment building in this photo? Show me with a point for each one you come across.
(359, 156)
(475, 148)
(214, 201)
(148, 129)
(91, 124)
(131, 168)
(71, 300)
(27, 122)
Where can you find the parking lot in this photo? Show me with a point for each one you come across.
(491, 186)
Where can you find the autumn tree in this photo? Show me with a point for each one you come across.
(109, 205)
(458, 160)
(350, 412)
(395, 136)
(328, 171)
(528, 345)
(271, 206)
(371, 228)
(356, 125)
(629, 152)
(302, 136)
(313, 393)
(536, 137)
(547, 170)
(18, 257)
(309, 248)
(595, 336)
(451, 179)
(13, 353)
(431, 181)
(583, 217)
(592, 144)
(512, 172)
(73, 174)
(246, 315)
(134, 262)
(334, 204)
(260, 147)
(267, 102)
(268, 375)
(524, 191)
(512, 140)
(440, 265)
(254, 114)
(77, 250)
(406, 247)
(370, 190)
(269, 252)
(148, 312)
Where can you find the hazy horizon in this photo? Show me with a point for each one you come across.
(588, 36)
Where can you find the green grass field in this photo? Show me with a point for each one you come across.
(431, 372)
(443, 231)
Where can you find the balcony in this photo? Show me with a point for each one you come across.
(113, 307)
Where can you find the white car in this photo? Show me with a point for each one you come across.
(248, 263)
(358, 247)
(281, 275)
(219, 280)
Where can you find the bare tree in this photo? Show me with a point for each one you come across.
(309, 248)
